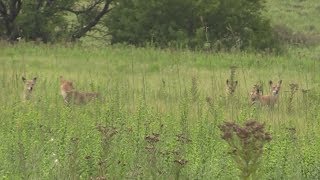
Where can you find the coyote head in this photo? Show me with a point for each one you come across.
(65, 85)
(28, 87)
(275, 88)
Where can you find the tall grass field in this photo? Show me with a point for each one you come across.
(160, 113)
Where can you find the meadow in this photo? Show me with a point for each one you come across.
(299, 15)
(174, 97)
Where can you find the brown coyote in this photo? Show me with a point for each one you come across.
(266, 100)
(28, 87)
(70, 95)
(231, 87)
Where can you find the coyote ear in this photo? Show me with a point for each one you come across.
(227, 81)
(23, 79)
(280, 82)
(270, 82)
(35, 78)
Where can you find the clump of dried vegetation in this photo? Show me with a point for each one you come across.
(246, 145)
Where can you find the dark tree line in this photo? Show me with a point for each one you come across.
(193, 23)
(49, 20)
(9, 11)
(190, 23)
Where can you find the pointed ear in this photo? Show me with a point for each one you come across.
(270, 82)
(280, 82)
(23, 79)
(227, 81)
(35, 79)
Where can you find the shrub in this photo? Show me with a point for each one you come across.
(196, 24)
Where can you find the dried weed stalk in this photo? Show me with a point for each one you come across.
(246, 144)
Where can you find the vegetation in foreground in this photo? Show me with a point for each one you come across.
(161, 114)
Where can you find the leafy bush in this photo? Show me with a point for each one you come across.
(196, 24)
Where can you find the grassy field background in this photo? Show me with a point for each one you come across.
(167, 92)
(151, 91)
(299, 15)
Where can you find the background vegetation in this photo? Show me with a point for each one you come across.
(201, 24)
(224, 24)
(163, 107)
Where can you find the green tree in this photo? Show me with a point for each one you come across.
(88, 16)
(240, 23)
(9, 10)
(43, 20)
(50, 20)
(193, 23)
(161, 22)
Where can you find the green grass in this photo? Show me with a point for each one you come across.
(299, 15)
(149, 91)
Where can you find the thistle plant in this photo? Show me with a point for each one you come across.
(107, 135)
(162, 90)
(232, 73)
(194, 89)
(152, 152)
(246, 145)
(73, 158)
(293, 89)
(180, 153)
(210, 104)
(231, 83)
(259, 86)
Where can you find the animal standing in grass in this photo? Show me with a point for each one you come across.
(28, 87)
(266, 100)
(70, 95)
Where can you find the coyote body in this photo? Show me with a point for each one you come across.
(266, 100)
(79, 97)
(70, 95)
(28, 88)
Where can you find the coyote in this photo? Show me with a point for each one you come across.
(70, 95)
(28, 87)
(266, 100)
(231, 87)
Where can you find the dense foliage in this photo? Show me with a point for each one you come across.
(218, 24)
(50, 20)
